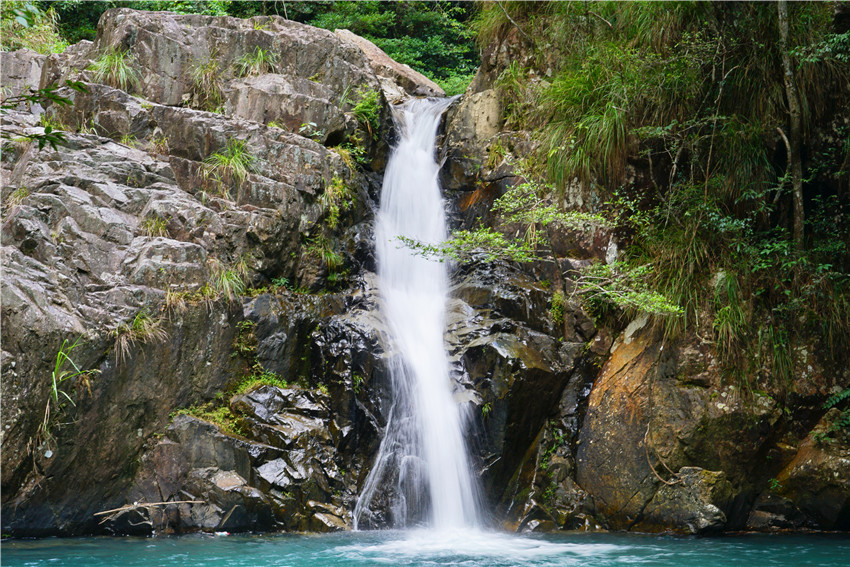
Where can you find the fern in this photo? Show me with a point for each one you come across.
(833, 401)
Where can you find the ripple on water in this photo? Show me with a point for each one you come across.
(473, 547)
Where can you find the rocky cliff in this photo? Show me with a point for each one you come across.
(232, 361)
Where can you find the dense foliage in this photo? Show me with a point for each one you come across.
(677, 117)
(431, 37)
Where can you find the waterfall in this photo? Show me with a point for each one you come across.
(422, 466)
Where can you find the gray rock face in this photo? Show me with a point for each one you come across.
(503, 350)
(20, 70)
(291, 103)
(166, 47)
(383, 65)
(119, 220)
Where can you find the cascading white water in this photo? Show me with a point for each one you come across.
(422, 464)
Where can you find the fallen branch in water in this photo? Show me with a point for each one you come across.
(115, 513)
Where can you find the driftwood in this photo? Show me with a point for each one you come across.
(115, 513)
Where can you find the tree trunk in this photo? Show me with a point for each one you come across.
(796, 129)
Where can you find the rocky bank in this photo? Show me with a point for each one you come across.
(268, 280)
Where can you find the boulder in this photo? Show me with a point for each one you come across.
(470, 125)
(695, 503)
(166, 48)
(413, 82)
(649, 420)
(511, 370)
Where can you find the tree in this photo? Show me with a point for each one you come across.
(793, 144)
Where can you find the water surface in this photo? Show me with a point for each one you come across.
(426, 548)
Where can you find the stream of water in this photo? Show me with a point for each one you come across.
(422, 464)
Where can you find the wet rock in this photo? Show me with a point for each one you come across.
(773, 512)
(327, 518)
(642, 423)
(817, 480)
(513, 370)
(694, 504)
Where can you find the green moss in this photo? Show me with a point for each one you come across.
(220, 416)
(558, 307)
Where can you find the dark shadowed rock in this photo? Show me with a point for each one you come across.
(817, 480)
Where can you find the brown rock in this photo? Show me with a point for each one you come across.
(817, 481)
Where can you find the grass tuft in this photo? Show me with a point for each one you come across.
(144, 329)
(117, 68)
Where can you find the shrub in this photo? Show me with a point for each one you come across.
(455, 84)
(24, 26)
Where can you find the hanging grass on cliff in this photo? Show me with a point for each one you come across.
(678, 117)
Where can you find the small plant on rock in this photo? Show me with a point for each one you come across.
(158, 145)
(260, 377)
(368, 111)
(129, 140)
(323, 248)
(143, 329)
(557, 310)
(155, 226)
(842, 422)
(227, 282)
(61, 375)
(220, 416)
(310, 130)
(117, 68)
(337, 198)
(47, 121)
(175, 301)
(257, 63)
(17, 196)
(357, 382)
(229, 166)
(205, 92)
(352, 154)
